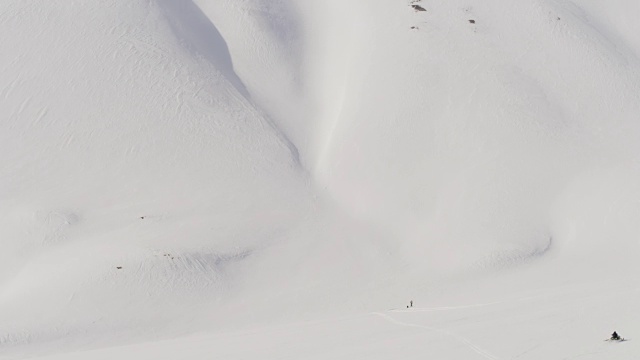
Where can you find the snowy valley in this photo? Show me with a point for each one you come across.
(278, 179)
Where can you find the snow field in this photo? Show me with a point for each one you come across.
(267, 178)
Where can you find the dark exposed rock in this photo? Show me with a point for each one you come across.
(472, 21)
(418, 8)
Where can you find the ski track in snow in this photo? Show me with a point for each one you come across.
(479, 305)
(444, 308)
(480, 351)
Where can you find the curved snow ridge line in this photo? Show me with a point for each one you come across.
(191, 25)
(480, 351)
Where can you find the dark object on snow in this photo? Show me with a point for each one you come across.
(118, 267)
(418, 8)
(615, 336)
(472, 21)
(142, 217)
(411, 303)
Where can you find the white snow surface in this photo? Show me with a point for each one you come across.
(277, 179)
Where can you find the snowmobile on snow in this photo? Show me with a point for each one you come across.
(615, 337)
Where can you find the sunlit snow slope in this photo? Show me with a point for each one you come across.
(128, 141)
(174, 166)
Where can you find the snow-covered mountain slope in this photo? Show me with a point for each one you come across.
(128, 141)
(173, 166)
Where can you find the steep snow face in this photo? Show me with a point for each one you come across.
(266, 43)
(478, 127)
(459, 129)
